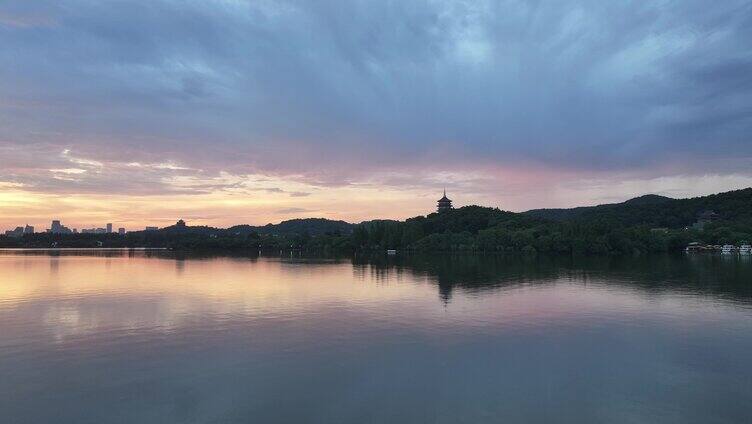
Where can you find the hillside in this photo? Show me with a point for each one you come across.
(657, 211)
(571, 213)
(456, 229)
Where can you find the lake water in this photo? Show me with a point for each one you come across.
(151, 337)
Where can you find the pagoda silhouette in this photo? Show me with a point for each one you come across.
(444, 204)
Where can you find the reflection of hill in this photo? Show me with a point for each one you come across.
(728, 278)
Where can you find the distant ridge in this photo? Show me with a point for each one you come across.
(291, 227)
(560, 214)
(648, 199)
(310, 226)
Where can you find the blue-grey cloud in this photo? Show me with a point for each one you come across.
(288, 211)
(332, 90)
(299, 194)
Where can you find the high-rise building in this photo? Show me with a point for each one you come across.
(109, 227)
(121, 231)
(18, 232)
(151, 228)
(28, 229)
(57, 228)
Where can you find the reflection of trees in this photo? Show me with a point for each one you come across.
(727, 277)
(131, 253)
(468, 272)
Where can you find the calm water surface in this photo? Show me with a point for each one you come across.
(150, 337)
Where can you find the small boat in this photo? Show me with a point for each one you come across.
(745, 249)
(391, 252)
(728, 249)
(694, 247)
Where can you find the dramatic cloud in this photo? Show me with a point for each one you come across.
(489, 97)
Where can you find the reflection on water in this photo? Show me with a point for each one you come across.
(110, 336)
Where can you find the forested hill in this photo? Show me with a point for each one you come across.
(645, 224)
(657, 211)
(457, 229)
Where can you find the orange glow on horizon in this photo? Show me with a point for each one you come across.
(219, 209)
(236, 200)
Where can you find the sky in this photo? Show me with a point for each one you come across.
(223, 112)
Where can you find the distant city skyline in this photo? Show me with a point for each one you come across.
(257, 112)
(59, 226)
